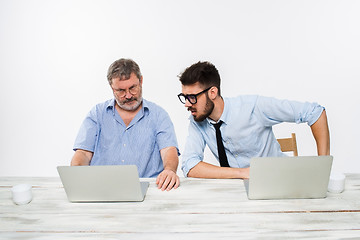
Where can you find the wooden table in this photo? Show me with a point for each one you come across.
(199, 209)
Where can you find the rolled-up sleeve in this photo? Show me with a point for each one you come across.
(272, 111)
(194, 149)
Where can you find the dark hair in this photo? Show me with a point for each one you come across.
(204, 73)
(123, 68)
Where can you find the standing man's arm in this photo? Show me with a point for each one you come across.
(207, 170)
(321, 134)
(81, 158)
(193, 165)
(168, 178)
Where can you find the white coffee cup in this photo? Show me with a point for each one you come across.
(336, 183)
(22, 193)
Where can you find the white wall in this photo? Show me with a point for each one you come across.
(54, 56)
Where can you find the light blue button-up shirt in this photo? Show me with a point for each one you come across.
(247, 129)
(104, 133)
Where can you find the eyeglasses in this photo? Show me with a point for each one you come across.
(192, 98)
(132, 90)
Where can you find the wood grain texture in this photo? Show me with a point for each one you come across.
(198, 209)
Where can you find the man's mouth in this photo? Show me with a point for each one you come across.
(192, 110)
(129, 101)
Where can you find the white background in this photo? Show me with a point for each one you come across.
(54, 56)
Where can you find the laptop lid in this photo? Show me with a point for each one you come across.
(113, 183)
(288, 177)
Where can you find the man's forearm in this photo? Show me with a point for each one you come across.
(321, 134)
(81, 158)
(206, 170)
(170, 158)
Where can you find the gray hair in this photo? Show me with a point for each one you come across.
(122, 69)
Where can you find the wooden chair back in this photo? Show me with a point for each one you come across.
(288, 144)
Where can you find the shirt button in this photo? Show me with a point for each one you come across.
(124, 144)
(123, 160)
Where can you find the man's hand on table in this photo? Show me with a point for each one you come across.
(167, 180)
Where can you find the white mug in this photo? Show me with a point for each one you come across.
(22, 193)
(336, 183)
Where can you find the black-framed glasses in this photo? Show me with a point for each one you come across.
(192, 98)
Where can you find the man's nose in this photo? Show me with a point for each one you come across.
(128, 94)
(187, 103)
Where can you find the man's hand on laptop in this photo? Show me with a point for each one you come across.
(167, 180)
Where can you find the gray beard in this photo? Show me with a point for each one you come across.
(130, 108)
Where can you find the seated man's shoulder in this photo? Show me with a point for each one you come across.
(104, 105)
(153, 107)
(101, 108)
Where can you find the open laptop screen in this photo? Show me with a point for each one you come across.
(102, 183)
(289, 177)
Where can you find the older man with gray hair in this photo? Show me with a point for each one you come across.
(129, 130)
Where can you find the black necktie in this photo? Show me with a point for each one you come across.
(221, 150)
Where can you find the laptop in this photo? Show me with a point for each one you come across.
(288, 177)
(115, 183)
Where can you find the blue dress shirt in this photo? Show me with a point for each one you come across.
(247, 129)
(104, 133)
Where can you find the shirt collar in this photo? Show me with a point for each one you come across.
(224, 116)
(111, 106)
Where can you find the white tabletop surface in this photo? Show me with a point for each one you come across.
(198, 209)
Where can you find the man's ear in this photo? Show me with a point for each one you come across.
(213, 92)
(141, 80)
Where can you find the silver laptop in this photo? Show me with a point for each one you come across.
(115, 183)
(288, 177)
